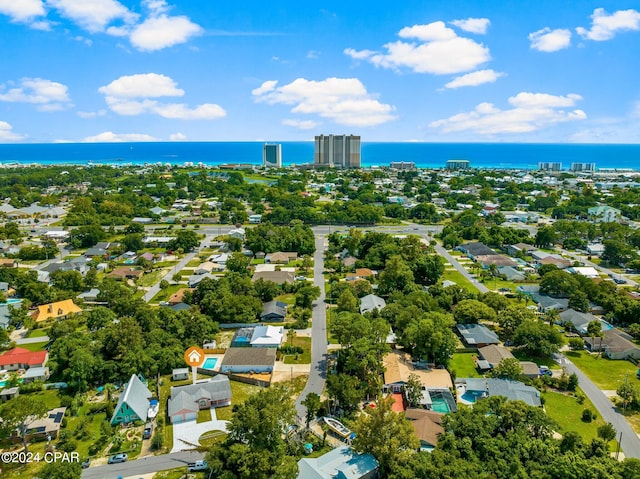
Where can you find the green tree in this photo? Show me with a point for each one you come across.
(312, 403)
(558, 284)
(386, 435)
(61, 470)
(594, 329)
(347, 302)
(396, 275)
(508, 368)
(546, 236)
(579, 301)
(185, 240)
(19, 414)
(413, 390)
(537, 338)
(306, 295)
(472, 311)
(238, 263)
(607, 432)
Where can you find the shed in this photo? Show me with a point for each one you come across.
(180, 374)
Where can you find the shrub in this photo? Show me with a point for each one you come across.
(588, 415)
(156, 442)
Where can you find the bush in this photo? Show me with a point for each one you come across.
(580, 398)
(588, 415)
(67, 446)
(156, 442)
(576, 344)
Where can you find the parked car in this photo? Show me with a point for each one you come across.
(118, 458)
(197, 466)
(86, 463)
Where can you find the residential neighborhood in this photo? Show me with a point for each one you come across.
(418, 316)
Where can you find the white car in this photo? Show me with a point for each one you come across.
(118, 458)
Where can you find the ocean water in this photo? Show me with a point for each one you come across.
(425, 155)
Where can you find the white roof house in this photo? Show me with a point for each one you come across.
(267, 336)
(587, 271)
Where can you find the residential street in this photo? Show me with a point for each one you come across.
(318, 372)
(586, 262)
(461, 269)
(142, 466)
(630, 441)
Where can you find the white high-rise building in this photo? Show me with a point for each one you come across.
(272, 155)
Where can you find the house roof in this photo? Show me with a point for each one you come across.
(52, 422)
(92, 293)
(612, 341)
(510, 273)
(249, 357)
(55, 310)
(427, 425)
(279, 277)
(474, 334)
(476, 249)
(579, 320)
(125, 271)
(340, 463)
(186, 397)
(512, 390)
(398, 367)
(274, 307)
(497, 259)
(281, 257)
(494, 354)
(267, 336)
(23, 356)
(530, 368)
(371, 302)
(364, 272)
(547, 302)
(136, 395)
(35, 372)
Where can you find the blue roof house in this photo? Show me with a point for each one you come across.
(341, 463)
(133, 404)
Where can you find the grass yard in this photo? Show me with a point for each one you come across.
(607, 374)
(165, 294)
(151, 278)
(567, 412)
(239, 393)
(550, 363)
(288, 298)
(38, 333)
(456, 277)
(305, 357)
(35, 346)
(204, 415)
(194, 263)
(463, 366)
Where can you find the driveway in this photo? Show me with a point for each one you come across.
(186, 434)
(461, 269)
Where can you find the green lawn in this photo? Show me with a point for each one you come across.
(35, 346)
(194, 263)
(239, 394)
(288, 298)
(305, 357)
(567, 412)
(204, 415)
(151, 278)
(463, 366)
(546, 361)
(165, 294)
(38, 333)
(607, 374)
(456, 277)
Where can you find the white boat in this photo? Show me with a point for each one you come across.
(154, 405)
(337, 427)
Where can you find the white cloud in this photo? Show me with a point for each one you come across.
(135, 94)
(46, 94)
(87, 115)
(145, 85)
(343, 100)
(162, 32)
(312, 54)
(604, 26)
(547, 40)
(475, 78)
(178, 137)
(7, 134)
(473, 25)
(530, 112)
(301, 124)
(94, 15)
(439, 51)
(110, 137)
(22, 10)
(267, 86)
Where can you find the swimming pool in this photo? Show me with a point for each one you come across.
(440, 405)
(12, 301)
(472, 396)
(210, 363)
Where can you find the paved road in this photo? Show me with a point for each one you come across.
(461, 269)
(142, 466)
(318, 373)
(586, 262)
(155, 289)
(40, 339)
(630, 443)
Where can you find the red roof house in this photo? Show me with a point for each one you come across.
(20, 358)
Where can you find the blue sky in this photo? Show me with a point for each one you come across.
(439, 71)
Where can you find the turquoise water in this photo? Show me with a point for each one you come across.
(210, 363)
(2, 383)
(606, 326)
(471, 396)
(440, 405)
(425, 155)
(12, 301)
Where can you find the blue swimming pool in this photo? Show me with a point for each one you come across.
(472, 396)
(440, 405)
(210, 363)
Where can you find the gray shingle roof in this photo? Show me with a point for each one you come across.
(512, 390)
(477, 334)
(249, 357)
(186, 397)
(136, 395)
(371, 302)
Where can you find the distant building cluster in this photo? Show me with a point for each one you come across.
(550, 166)
(402, 165)
(457, 164)
(272, 155)
(586, 167)
(340, 151)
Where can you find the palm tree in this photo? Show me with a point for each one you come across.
(552, 316)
